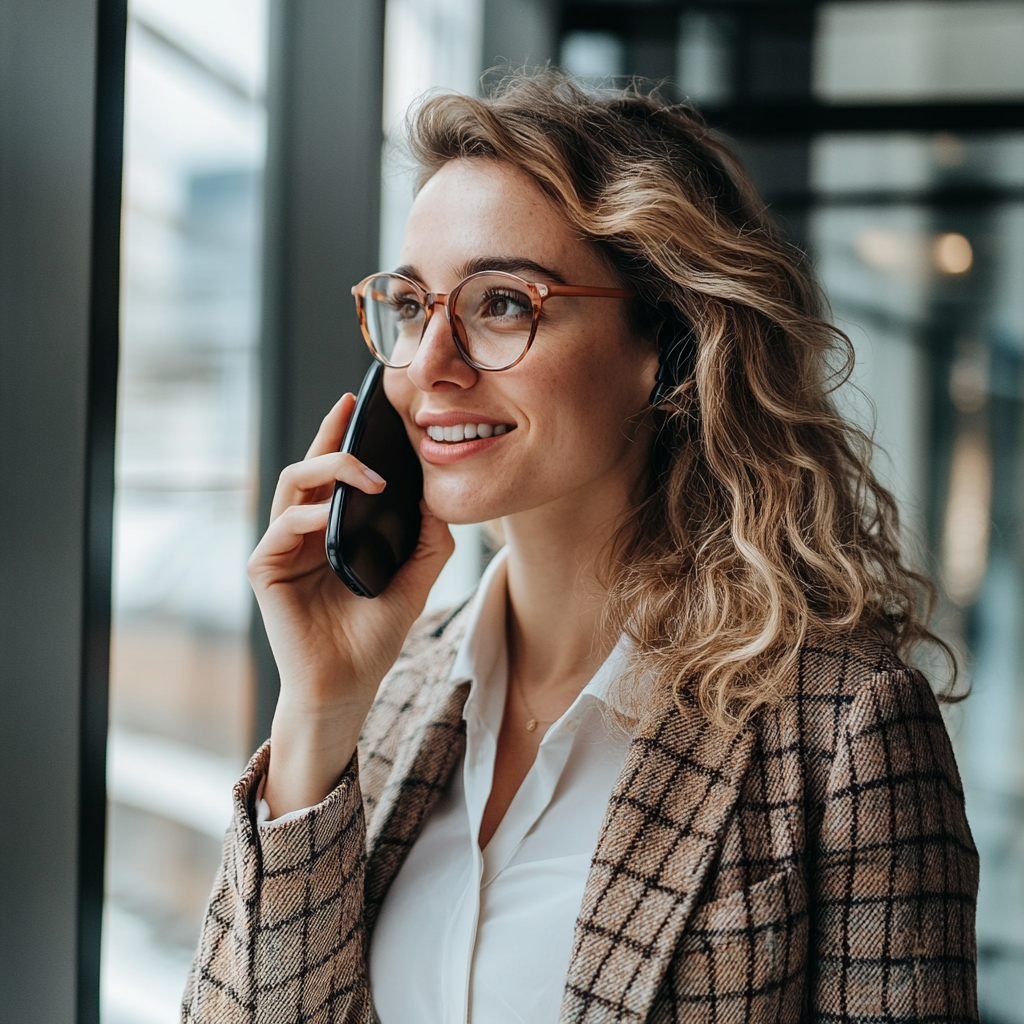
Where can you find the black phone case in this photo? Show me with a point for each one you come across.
(371, 536)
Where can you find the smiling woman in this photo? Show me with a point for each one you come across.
(669, 762)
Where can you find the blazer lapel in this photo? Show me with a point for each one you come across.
(428, 751)
(660, 835)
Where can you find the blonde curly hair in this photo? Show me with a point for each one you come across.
(761, 520)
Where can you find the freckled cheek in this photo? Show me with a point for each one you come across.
(600, 386)
(568, 419)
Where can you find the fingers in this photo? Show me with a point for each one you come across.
(332, 427)
(413, 582)
(313, 480)
(278, 553)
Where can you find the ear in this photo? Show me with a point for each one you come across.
(677, 356)
(650, 366)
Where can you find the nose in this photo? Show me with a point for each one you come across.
(437, 365)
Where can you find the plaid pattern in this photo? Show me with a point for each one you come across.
(817, 867)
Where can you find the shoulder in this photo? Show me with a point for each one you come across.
(426, 656)
(421, 669)
(854, 710)
(840, 663)
(434, 634)
(845, 684)
(836, 672)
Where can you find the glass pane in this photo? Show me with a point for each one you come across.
(704, 71)
(920, 244)
(181, 683)
(909, 162)
(870, 52)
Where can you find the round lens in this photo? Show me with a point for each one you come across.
(494, 314)
(394, 318)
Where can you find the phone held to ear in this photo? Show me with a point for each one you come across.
(371, 536)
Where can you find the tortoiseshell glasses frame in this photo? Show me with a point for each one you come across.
(398, 310)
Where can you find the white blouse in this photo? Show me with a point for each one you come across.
(485, 937)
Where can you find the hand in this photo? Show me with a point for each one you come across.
(332, 648)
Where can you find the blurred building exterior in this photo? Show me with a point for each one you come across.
(883, 137)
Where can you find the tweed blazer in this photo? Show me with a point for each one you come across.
(815, 867)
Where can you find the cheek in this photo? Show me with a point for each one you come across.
(579, 417)
(400, 391)
(599, 394)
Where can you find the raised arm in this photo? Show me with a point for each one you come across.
(283, 938)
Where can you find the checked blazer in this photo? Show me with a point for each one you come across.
(815, 867)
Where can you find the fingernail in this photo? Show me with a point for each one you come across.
(374, 477)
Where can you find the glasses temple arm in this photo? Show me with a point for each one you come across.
(585, 291)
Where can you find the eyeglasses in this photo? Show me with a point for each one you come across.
(493, 316)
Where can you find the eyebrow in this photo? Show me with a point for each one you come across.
(503, 264)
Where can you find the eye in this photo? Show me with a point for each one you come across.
(407, 307)
(505, 304)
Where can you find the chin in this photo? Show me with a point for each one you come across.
(456, 506)
(461, 502)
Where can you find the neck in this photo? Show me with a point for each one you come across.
(558, 562)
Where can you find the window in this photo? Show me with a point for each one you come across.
(181, 681)
(428, 44)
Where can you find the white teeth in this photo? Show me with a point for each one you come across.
(465, 431)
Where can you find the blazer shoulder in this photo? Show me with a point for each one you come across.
(835, 671)
(839, 665)
(428, 651)
(851, 696)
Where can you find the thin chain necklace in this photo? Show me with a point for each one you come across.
(533, 722)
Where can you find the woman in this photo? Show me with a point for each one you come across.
(667, 764)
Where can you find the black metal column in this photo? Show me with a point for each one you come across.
(61, 120)
(321, 235)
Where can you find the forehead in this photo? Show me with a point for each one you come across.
(473, 208)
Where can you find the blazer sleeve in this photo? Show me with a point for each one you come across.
(896, 879)
(283, 940)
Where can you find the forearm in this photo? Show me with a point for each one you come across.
(283, 936)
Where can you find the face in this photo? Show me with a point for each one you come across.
(566, 421)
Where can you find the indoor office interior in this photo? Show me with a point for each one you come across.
(184, 204)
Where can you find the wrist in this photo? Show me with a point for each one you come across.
(309, 752)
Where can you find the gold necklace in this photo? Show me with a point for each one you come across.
(532, 724)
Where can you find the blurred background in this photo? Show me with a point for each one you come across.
(888, 140)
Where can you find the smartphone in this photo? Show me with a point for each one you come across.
(371, 536)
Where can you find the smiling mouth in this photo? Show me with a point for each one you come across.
(467, 432)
